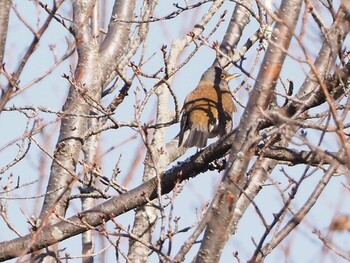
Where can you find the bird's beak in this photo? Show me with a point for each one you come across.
(233, 76)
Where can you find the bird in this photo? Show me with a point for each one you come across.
(207, 110)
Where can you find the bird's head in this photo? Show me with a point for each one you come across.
(218, 76)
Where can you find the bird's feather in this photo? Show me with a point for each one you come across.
(197, 136)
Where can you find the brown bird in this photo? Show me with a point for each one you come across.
(207, 110)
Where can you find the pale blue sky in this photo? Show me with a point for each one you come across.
(51, 92)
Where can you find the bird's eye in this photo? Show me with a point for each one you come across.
(222, 76)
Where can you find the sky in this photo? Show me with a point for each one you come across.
(301, 246)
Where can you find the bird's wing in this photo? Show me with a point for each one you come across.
(183, 128)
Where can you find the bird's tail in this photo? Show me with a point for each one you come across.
(194, 137)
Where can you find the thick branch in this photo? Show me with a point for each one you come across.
(85, 85)
(117, 36)
(295, 157)
(239, 20)
(4, 18)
